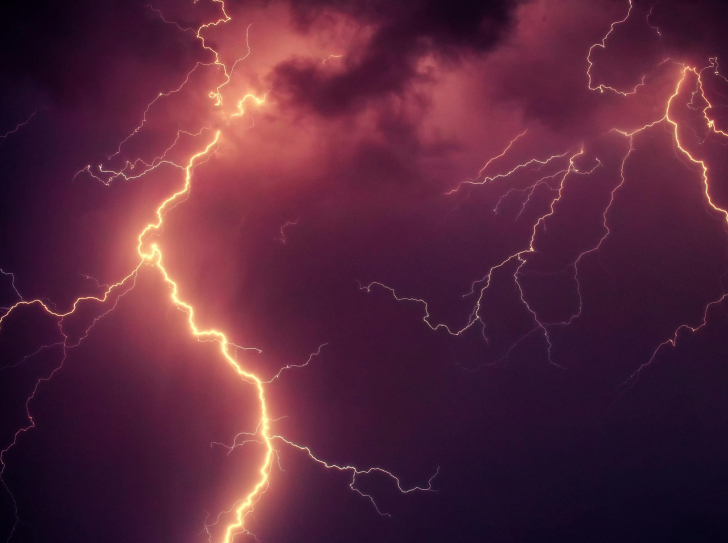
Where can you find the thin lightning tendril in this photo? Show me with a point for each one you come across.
(17, 127)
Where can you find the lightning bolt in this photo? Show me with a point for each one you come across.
(537, 164)
(706, 186)
(151, 256)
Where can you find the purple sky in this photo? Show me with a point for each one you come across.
(485, 241)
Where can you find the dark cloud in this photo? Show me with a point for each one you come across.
(92, 54)
(387, 62)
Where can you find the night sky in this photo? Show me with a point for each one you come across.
(481, 247)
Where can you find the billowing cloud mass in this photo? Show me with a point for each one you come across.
(480, 247)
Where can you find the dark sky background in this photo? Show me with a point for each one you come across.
(374, 112)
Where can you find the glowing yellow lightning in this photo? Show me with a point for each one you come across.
(154, 257)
